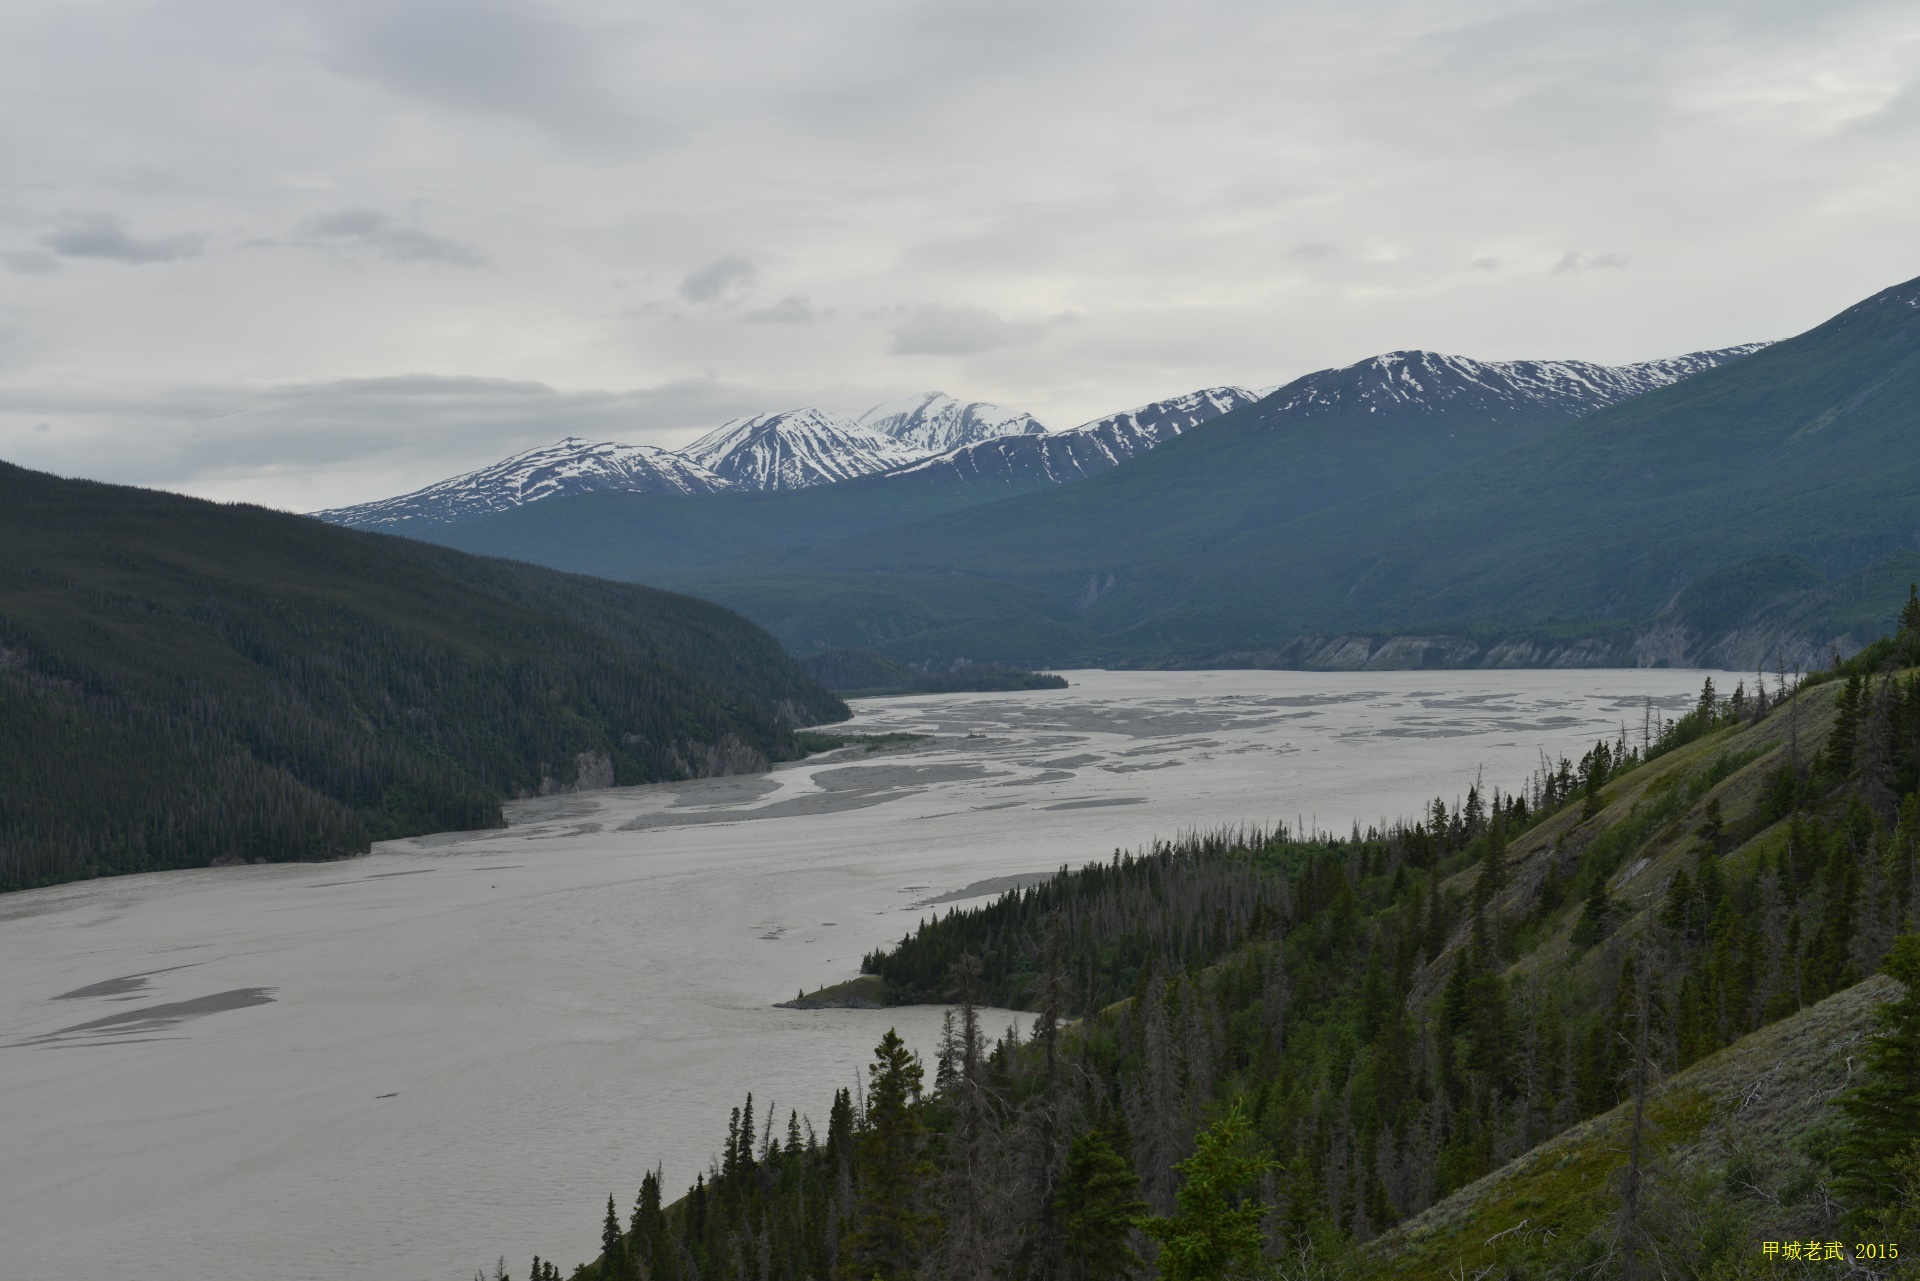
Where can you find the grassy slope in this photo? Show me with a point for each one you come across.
(184, 680)
(1744, 1113)
(1729, 1129)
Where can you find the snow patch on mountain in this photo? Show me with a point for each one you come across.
(934, 422)
(1433, 383)
(796, 449)
(571, 466)
(1059, 458)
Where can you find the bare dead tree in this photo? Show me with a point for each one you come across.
(1638, 1247)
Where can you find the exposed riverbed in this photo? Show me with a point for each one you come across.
(400, 1066)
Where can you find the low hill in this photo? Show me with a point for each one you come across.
(185, 683)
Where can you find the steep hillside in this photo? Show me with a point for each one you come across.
(1736, 1140)
(1805, 448)
(183, 682)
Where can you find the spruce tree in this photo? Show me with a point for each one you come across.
(1594, 916)
(1214, 1232)
(893, 1228)
(614, 1264)
(1883, 1111)
(1848, 709)
(1099, 1206)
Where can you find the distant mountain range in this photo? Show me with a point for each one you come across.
(1753, 503)
(943, 441)
(938, 442)
(793, 449)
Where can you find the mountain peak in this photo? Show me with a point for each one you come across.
(796, 449)
(1438, 384)
(933, 422)
(570, 466)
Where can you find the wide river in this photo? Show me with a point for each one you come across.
(403, 1065)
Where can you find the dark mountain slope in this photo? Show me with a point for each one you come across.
(183, 682)
(1810, 448)
(1179, 527)
(648, 537)
(1318, 441)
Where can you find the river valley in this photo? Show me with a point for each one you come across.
(402, 1065)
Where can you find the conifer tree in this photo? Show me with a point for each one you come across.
(1594, 916)
(893, 1228)
(614, 1263)
(1214, 1232)
(1099, 1205)
(1883, 1111)
(1848, 709)
(1493, 863)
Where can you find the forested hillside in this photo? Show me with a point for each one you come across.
(185, 683)
(863, 673)
(1479, 539)
(1260, 1053)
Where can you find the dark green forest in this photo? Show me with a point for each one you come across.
(185, 683)
(1272, 1053)
(861, 672)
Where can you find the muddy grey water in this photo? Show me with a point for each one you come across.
(400, 1066)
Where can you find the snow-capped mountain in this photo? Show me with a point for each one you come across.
(934, 422)
(1428, 382)
(1059, 458)
(1138, 430)
(572, 466)
(938, 440)
(796, 449)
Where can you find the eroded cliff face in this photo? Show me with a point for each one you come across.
(1374, 653)
(730, 755)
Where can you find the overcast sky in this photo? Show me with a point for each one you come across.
(314, 253)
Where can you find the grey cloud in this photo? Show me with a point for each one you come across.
(104, 236)
(370, 231)
(719, 277)
(31, 262)
(934, 330)
(317, 444)
(791, 310)
(1576, 261)
(486, 57)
